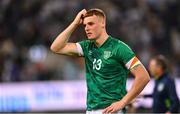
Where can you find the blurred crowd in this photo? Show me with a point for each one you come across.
(28, 27)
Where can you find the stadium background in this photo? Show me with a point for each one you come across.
(28, 27)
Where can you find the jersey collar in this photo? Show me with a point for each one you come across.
(107, 40)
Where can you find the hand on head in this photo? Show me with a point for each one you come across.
(79, 17)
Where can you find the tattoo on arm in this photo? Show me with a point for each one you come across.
(135, 67)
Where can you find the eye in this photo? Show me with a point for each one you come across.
(91, 23)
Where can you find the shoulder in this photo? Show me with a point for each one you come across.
(122, 52)
(85, 43)
(118, 42)
(168, 79)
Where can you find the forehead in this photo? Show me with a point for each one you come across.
(92, 18)
(153, 62)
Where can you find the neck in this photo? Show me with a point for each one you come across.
(101, 39)
(159, 75)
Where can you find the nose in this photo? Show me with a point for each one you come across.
(86, 28)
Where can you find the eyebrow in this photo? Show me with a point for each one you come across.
(88, 23)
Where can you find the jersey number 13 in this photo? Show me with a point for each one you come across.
(97, 64)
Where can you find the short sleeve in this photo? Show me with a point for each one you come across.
(81, 47)
(126, 56)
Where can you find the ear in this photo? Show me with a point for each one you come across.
(103, 23)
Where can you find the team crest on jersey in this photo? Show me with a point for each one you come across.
(107, 54)
(160, 87)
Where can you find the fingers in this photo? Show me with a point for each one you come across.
(112, 108)
(108, 110)
(112, 111)
(78, 19)
(83, 12)
(105, 110)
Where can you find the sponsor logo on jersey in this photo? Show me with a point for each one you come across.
(107, 54)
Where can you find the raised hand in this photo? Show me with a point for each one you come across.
(78, 20)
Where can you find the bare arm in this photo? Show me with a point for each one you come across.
(141, 80)
(60, 44)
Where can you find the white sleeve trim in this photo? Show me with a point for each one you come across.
(129, 63)
(132, 63)
(79, 49)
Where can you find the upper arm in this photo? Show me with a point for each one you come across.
(139, 71)
(171, 89)
(71, 49)
(137, 68)
(131, 62)
(141, 76)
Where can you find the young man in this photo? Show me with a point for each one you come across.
(165, 99)
(108, 62)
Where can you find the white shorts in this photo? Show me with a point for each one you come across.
(100, 112)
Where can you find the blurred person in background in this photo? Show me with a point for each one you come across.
(165, 99)
(108, 62)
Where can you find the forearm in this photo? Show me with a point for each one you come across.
(140, 82)
(62, 39)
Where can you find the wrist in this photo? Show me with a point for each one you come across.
(124, 101)
(75, 24)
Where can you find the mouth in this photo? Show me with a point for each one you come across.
(88, 34)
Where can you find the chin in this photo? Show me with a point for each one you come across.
(91, 38)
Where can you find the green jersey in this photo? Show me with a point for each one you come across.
(106, 71)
